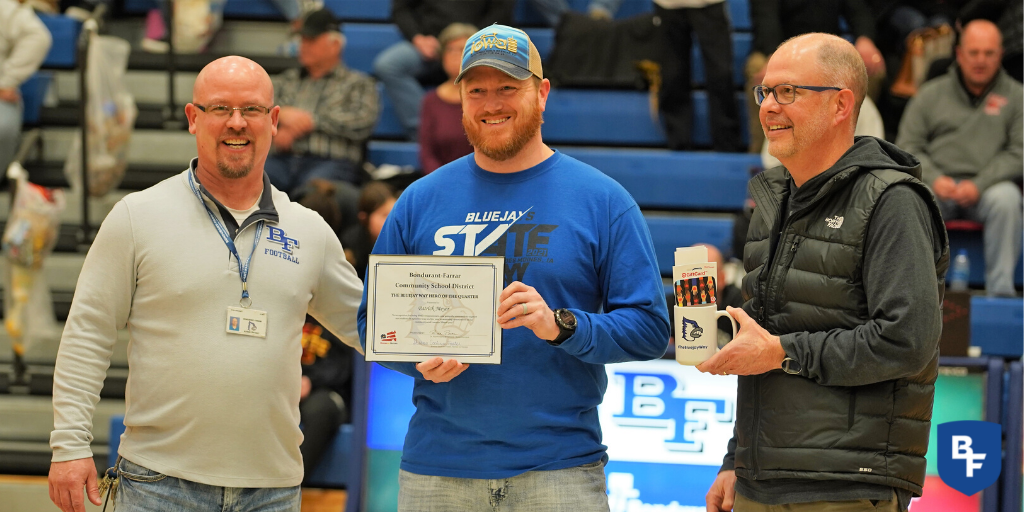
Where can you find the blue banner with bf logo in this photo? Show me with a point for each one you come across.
(970, 454)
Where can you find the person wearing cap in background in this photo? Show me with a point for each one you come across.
(582, 290)
(327, 111)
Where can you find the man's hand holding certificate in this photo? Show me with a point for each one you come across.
(427, 309)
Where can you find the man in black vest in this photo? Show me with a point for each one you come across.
(838, 345)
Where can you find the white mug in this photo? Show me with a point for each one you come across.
(696, 332)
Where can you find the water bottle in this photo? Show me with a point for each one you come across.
(961, 274)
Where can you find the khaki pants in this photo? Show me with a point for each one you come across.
(744, 505)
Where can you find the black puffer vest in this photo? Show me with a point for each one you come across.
(788, 426)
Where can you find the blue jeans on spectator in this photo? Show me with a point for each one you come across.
(581, 488)
(397, 68)
(290, 172)
(999, 209)
(552, 10)
(143, 490)
(10, 129)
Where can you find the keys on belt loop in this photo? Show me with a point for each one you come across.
(109, 485)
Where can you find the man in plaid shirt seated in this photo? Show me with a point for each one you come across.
(327, 111)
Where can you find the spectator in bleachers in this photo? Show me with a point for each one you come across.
(201, 20)
(552, 10)
(775, 21)
(966, 128)
(335, 201)
(400, 66)
(845, 259)
(709, 22)
(211, 408)
(442, 138)
(583, 290)
(327, 112)
(1008, 15)
(325, 394)
(375, 203)
(24, 42)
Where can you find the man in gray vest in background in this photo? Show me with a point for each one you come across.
(838, 345)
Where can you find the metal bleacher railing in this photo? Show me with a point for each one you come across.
(90, 27)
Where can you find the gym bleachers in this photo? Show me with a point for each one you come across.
(686, 197)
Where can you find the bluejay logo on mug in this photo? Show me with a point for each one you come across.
(970, 454)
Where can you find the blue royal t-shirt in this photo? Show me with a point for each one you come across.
(576, 236)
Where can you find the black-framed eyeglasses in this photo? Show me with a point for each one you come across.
(786, 93)
(250, 112)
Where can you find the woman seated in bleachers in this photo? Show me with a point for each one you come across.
(442, 138)
(375, 204)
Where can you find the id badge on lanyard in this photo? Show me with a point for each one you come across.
(241, 319)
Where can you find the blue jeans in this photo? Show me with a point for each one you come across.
(398, 67)
(290, 172)
(142, 490)
(552, 10)
(10, 129)
(999, 209)
(577, 489)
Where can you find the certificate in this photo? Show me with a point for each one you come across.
(420, 307)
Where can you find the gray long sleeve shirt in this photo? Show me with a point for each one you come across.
(203, 404)
(954, 134)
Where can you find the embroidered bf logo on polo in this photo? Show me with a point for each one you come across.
(278, 236)
(970, 454)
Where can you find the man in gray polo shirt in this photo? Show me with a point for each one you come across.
(212, 271)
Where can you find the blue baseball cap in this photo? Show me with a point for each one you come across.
(503, 48)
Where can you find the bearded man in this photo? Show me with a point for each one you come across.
(582, 290)
(213, 404)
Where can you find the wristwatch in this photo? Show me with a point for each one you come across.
(566, 322)
(791, 366)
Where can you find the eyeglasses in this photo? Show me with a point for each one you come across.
(250, 112)
(786, 93)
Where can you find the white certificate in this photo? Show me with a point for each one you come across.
(420, 307)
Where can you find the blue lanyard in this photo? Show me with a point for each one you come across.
(243, 269)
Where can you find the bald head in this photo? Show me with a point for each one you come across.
(219, 77)
(232, 143)
(979, 54)
(837, 61)
(981, 32)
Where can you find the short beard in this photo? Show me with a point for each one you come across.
(240, 170)
(524, 131)
(234, 173)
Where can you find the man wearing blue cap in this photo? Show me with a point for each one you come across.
(582, 290)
